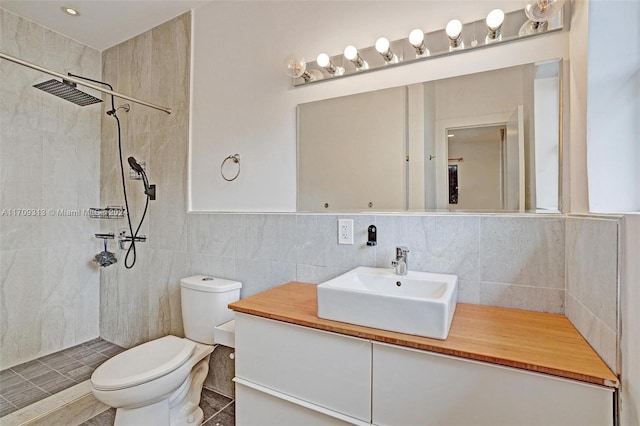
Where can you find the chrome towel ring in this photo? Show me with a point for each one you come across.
(236, 160)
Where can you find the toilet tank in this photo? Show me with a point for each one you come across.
(204, 305)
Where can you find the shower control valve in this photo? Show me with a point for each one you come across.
(125, 240)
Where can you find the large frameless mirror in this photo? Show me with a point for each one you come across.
(486, 142)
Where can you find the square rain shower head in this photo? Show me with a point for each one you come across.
(67, 90)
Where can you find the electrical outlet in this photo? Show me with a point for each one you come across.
(345, 231)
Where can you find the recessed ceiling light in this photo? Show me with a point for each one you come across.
(70, 11)
(450, 135)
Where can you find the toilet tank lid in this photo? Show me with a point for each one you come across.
(209, 284)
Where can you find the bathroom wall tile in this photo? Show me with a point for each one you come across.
(20, 165)
(317, 242)
(134, 64)
(124, 301)
(221, 372)
(267, 237)
(20, 103)
(70, 296)
(214, 234)
(20, 106)
(441, 244)
(220, 267)
(70, 184)
(453, 246)
(592, 265)
(167, 168)
(524, 251)
(170, 75)
(110, 180)
(261, 275)
(21, 37)
(409, 231)
(594, 330)
(317, 274)
(20, 327)
(468, 292)
(165, 272)
(522, 297)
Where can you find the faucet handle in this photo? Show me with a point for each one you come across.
(401, 250)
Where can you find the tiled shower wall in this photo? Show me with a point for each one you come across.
(592, 282)
(142, 303)
(50, 162)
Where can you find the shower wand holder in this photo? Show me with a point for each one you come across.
(151, 192)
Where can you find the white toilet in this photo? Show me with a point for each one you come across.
(160, 382)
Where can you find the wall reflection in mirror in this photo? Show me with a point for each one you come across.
(393, 149)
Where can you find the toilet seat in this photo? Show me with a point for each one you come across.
(143, 363)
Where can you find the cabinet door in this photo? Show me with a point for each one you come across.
(326, 369)
(413, 387)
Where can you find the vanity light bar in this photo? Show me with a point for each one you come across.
(502, 28)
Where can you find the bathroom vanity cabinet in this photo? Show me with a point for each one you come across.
(292, 369)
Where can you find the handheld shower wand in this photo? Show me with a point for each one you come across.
(149, 190)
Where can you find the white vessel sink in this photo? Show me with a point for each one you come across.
(419, 303)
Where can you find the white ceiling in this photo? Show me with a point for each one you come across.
(102, 23)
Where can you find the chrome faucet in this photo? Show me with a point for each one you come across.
(401, 263)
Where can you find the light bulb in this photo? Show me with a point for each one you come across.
(350, 52)
(542, 10)
(323, 60)
(495, 18)
(382, 45)
(494, 21)
(295, 66)
(453, 29)
(416, 37)
(539, 12)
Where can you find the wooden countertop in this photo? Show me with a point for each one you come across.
(534, 341)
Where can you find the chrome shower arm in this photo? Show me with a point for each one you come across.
(82, 82)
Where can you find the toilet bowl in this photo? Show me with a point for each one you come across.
(160, 382)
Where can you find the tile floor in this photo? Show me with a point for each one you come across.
(219, 410)
(35, 380)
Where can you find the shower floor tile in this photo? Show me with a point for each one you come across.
(32, 381)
